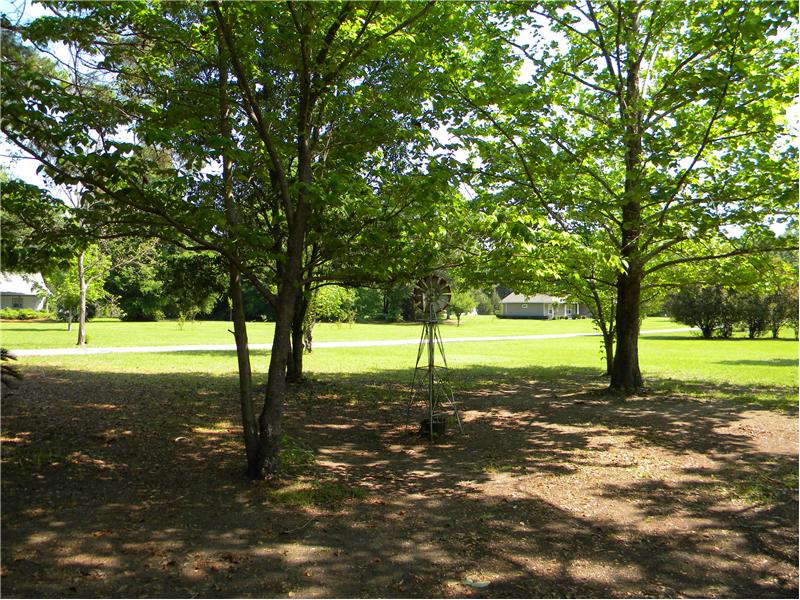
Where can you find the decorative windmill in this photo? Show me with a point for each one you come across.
(432, 381)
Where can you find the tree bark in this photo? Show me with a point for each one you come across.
(250, 428)
(290, 285)
(82, 303)
(249, 422)
(294, 371)
(608, 345)
(625, 375)
(270, 426)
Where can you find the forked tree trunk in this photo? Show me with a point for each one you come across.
(82, 303)
(270, 426)
(270, 421)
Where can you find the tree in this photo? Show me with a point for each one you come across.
(286, 138)
(759, 287)
(793, 310)
(71, 289)
(657, 126)
(462, 301)
(192, 283)
(698, 306)
(752, 312)
(782, 306)
(368, 303)
(487, 302)
(334, 304)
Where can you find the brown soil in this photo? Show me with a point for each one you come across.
(117, 485)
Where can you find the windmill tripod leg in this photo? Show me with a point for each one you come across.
(414, 380)
(437, 391)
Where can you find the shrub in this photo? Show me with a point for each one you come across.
(717, 310)
(22, 314)
(699, 306)
(783, 308)
(334, 304)
(753, 313)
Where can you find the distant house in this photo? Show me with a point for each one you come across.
(21, 291)
(541, 306)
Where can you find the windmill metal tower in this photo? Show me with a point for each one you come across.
(431, 381)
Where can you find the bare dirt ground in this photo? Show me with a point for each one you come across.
(119, 485)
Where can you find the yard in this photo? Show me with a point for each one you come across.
(111, 332)
(122, 474)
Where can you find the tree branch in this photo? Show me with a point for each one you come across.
(737, 252)
(254, 113)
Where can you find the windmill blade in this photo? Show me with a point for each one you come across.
(432, 293)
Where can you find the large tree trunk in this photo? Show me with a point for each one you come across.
(625, 375)
(82, 304)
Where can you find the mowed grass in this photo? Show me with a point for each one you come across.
(103, 333)
(762, 370)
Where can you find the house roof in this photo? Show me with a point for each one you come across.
(536, 298)
(21, 284)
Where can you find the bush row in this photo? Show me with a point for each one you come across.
(23, 314)
(718, 311)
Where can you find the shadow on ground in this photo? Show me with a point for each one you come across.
(119, 485)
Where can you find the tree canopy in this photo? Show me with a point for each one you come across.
(643, 131)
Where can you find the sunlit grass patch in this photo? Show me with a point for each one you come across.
(493, 465)
(296, 458)
(762, 487)
(319, 493)
(771, 397)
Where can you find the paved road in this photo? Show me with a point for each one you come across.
(359, 344)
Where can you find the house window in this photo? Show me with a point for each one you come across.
(16, 301)
(524, 306)
(569, 311)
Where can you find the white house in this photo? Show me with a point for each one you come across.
(19, 290)
(541, 306)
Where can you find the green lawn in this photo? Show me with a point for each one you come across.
(110, 332)
(761, 369)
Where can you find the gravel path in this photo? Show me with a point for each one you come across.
(357, 344)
